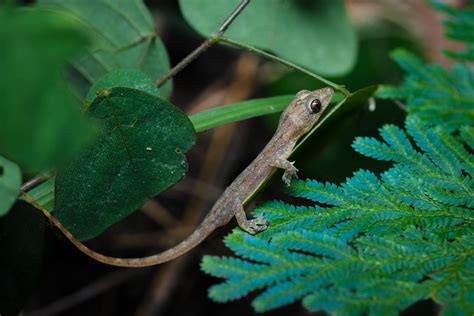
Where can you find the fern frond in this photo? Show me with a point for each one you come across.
(287, 217)
(373, 148)
(397, 138)
(430, 143)
(432, 94)
(327, 193)
(315, 243)
(411, 227)
(459, 27)
(256, 249)
(467, 134)
(347, 302)
(231, 290)
(363, 185)
(289, 290)
(228, 267)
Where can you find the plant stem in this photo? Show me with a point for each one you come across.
(33, 182)
(340, 88)
(232, 16)
(205, 45)
(186, 61)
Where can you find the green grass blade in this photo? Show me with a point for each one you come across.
(238, 111)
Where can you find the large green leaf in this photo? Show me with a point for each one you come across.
(139, 153)
(40, 123)
(125, 38)
(315, 34)
(10, 182)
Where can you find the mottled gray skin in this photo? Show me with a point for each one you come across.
(295, 121)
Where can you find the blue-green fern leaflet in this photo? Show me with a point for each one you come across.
(433, 94)
(373, 244)
(459, 26)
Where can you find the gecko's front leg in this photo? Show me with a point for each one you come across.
(290, 170)
(252, 226)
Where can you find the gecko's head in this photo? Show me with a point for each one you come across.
(306, 109)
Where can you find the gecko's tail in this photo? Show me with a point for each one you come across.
(193, 240)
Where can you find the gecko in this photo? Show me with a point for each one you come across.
(295, 121)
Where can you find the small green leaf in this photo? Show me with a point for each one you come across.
(315, 34)
(40, 123)
(129, 78)
(139, 153)
(10, 182)
(125, 38)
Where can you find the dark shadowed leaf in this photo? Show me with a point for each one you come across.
(125, 37)
(315, 34)
(40, 123)
(139, 153)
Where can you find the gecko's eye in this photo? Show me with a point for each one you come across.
(313, 105)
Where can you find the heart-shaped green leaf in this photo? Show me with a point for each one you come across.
(315, 34)
(139, 153)
(10, 182)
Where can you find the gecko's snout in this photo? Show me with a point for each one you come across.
(328, 91)
(324, 92)
(327, 94)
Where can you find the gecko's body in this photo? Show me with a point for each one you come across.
(297, 119)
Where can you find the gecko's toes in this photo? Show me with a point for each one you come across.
(287, 177)
(290, 174)
(257, 225)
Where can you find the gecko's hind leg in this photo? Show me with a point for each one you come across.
(252, 226)
(290, 170)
